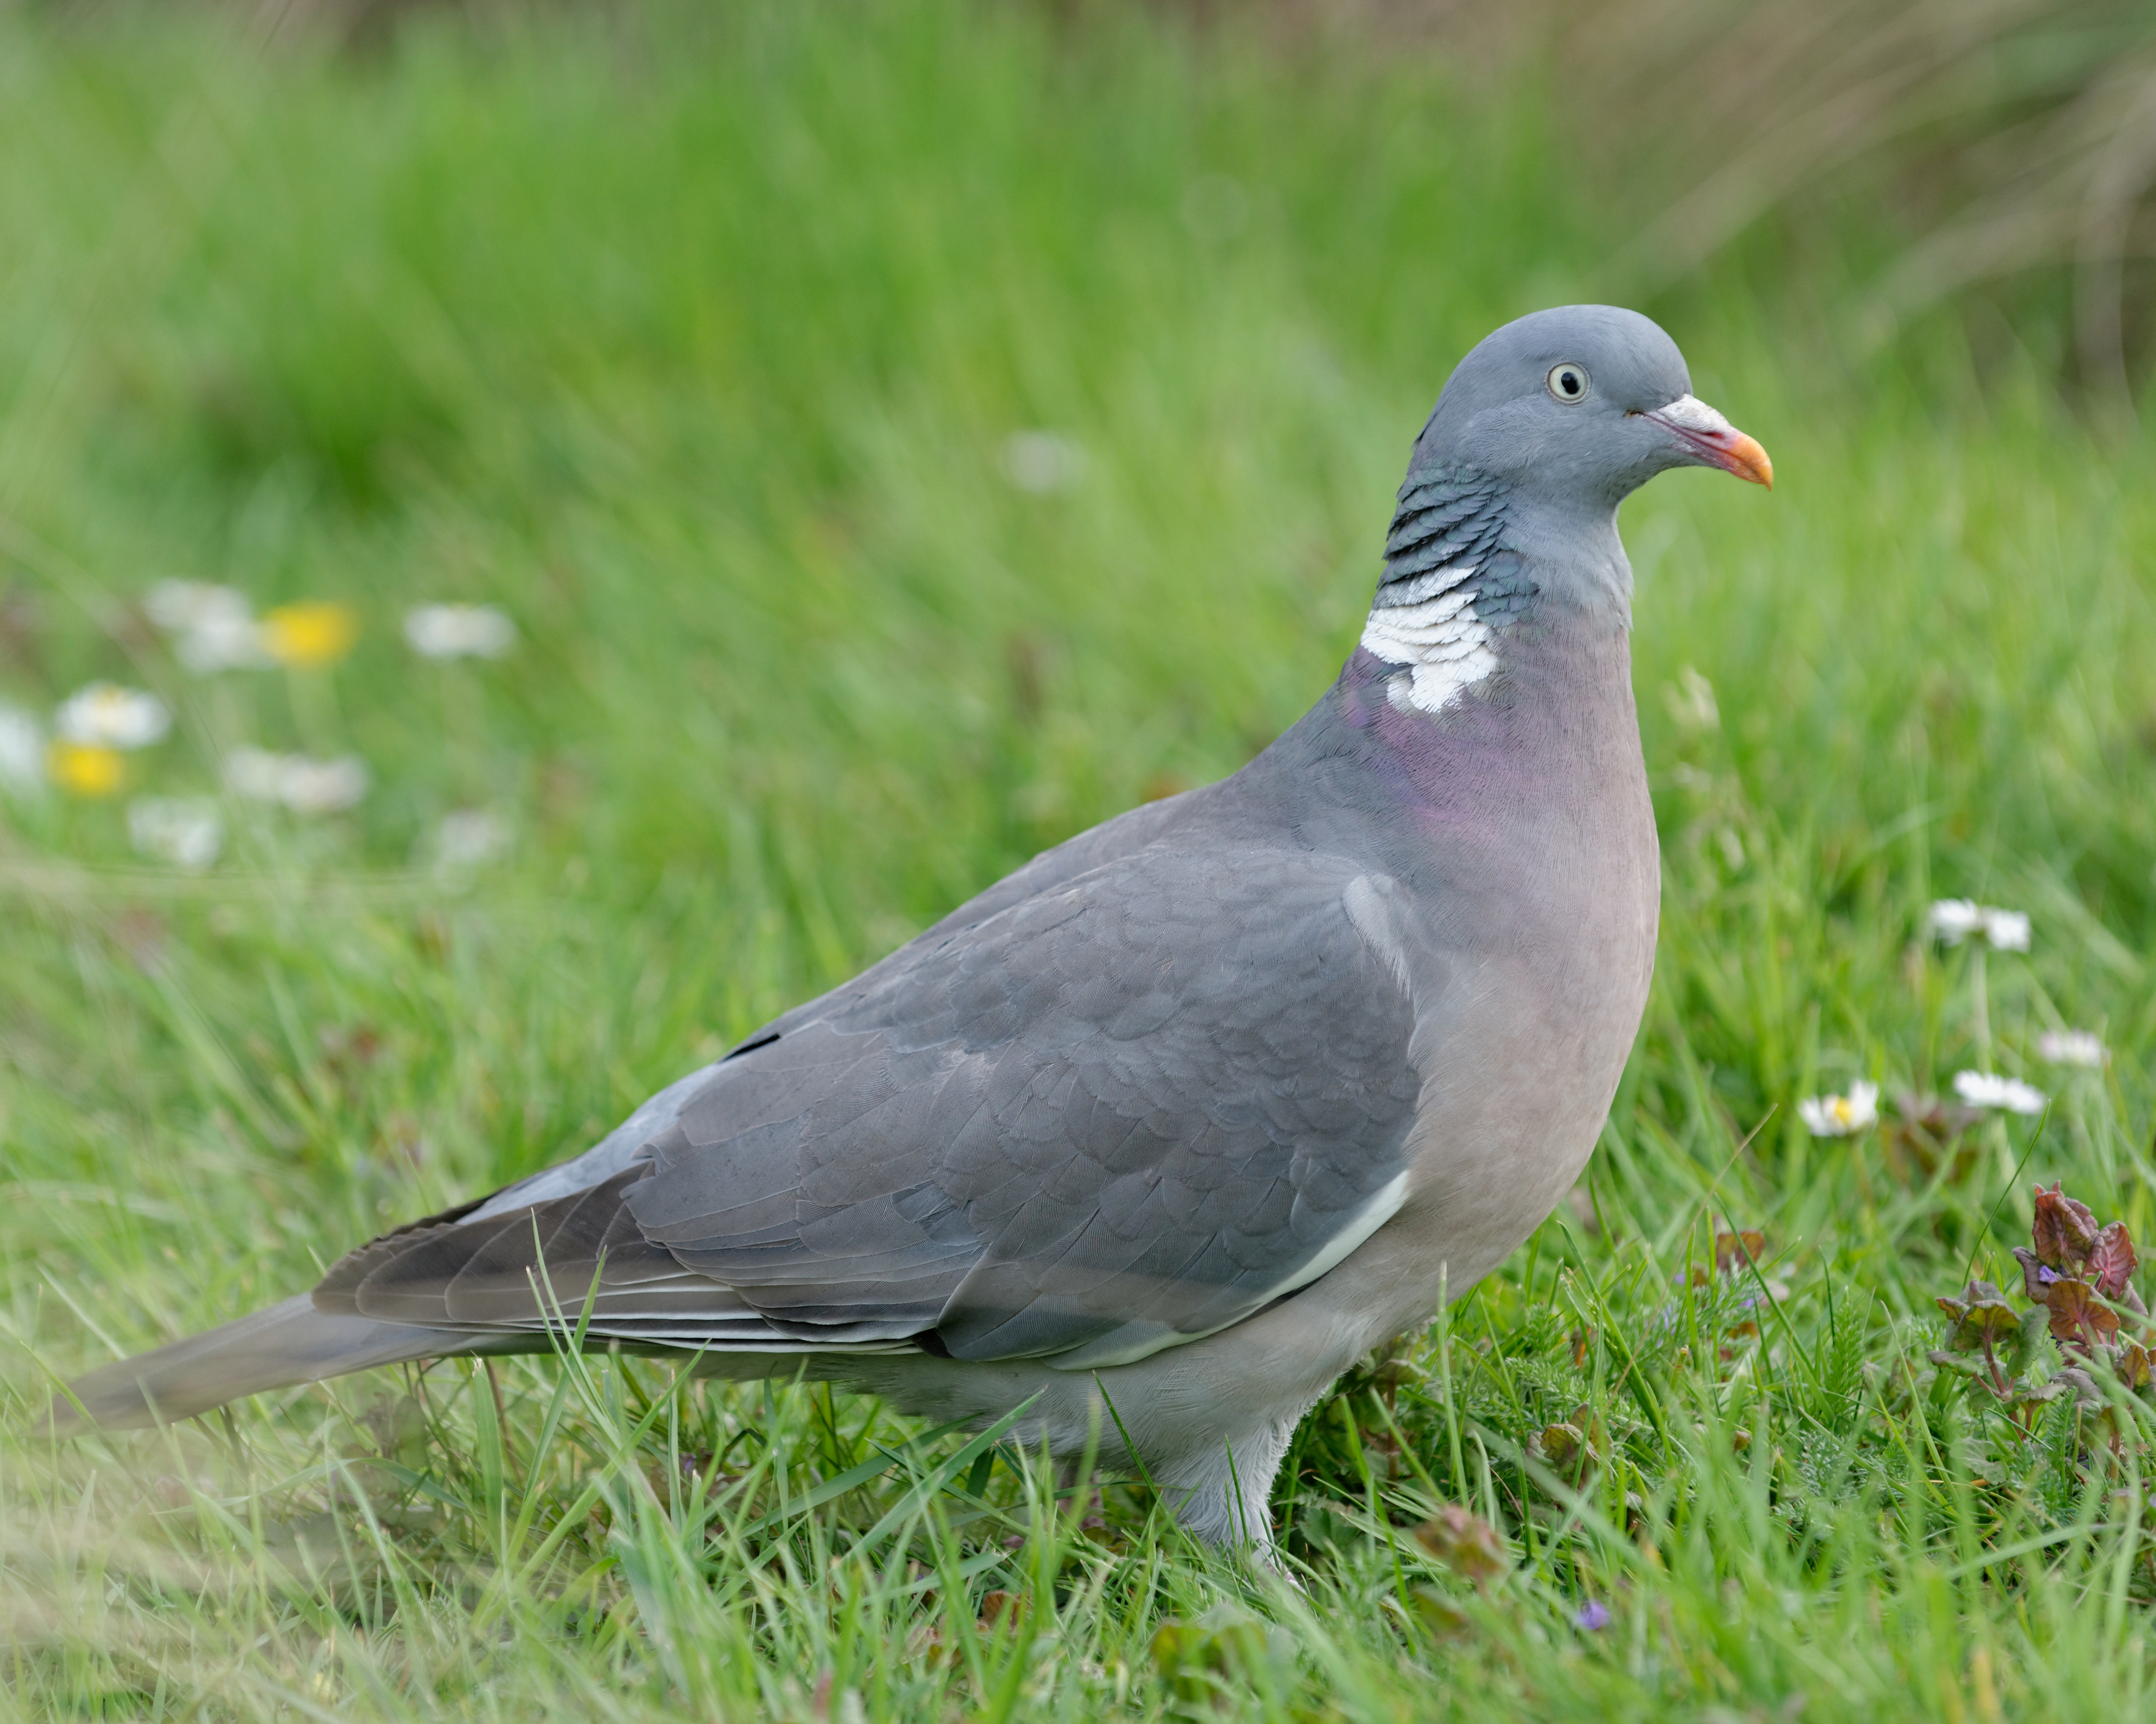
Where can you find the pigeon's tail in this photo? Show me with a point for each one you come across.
(288, 1343)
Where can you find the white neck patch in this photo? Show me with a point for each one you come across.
(1444, 645)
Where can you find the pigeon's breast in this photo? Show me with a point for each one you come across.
(1518, 825)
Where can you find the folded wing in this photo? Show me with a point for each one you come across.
(1122, 1113)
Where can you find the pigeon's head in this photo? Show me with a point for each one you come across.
(1581, 406)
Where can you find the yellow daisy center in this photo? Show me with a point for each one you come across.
(86, 768)
(304, 636)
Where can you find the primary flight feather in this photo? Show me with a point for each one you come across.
(1193, 1111)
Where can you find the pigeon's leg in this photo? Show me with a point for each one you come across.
(1223, 1493)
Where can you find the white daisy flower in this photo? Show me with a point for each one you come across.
(2071, 1047)
(1986, 1089)
(459, 631)
(253, 773)
(21, 753)
(305, 786)
(213, 627)
(1840, 1115)
(105, 716)
(322, 787)
(187, 831)
(1043, 461)
(1953, 919)
(2007, 930)
(226, 643)
(467, 838)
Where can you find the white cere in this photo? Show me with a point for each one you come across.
(1688, 413)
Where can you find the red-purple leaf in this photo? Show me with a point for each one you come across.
(2065, 1231)
(2036, 1275)
(1466, 1543)
(2077, 1314)
(2134, 1363)
(1732, 1248)
(2112, 1260)
(1981, 1315)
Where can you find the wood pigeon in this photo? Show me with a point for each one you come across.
(1162, 1133)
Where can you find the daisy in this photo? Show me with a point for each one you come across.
(2071, 1047)
(459, 631)
(105, 716)
(1954, 920)
(1985, 1089)
(305, 786)
(467, 838)
(1840, 1115)
(322, 787)
(253, 773)
(186, 831)
(213, 627)
(86, 768)
(307, 636)
(2006, 930)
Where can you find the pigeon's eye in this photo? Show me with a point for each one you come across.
(1568, 382)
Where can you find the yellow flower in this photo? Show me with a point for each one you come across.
(86, 768)
(319, 631)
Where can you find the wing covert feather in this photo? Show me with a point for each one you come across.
(1127, 1110)
(1149, 1094)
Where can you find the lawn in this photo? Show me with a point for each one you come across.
(901, 438)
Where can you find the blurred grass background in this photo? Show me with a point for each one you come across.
(696, 338)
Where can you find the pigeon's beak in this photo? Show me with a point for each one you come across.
(1711, 441)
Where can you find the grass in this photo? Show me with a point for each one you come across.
(693, 340)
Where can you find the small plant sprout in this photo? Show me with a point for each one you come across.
(1954, 920)
(1466, 1543)
(2078, 1278)
(1573, 1448)
(303, 785)
(310, 635)
(2071, 1047)
(212, 627)
(1986, 1326)
(1986, 1089)
(459, 631)
(1841, 1116)
(186, 831)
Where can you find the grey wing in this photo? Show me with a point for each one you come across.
(1126, 1111)
(1128, 832)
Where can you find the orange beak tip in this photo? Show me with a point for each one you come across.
(1747, 460)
